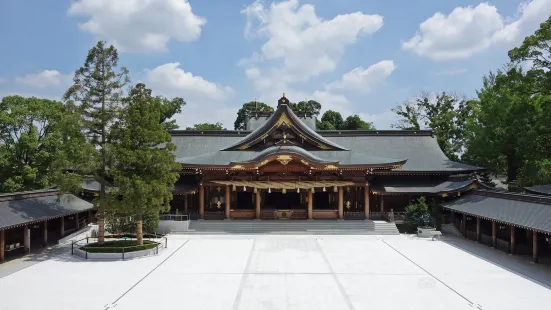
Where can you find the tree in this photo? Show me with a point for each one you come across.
(97, 92)
(168, 109)
(144, 166)
(354, 122)
(418, 214)
(536, 49)
(446, 114)
(36, 138)
(503, 134)
(310, 106)
(207, 126)
(332, 118)
(241, 120)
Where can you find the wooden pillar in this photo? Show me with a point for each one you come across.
(2, 244)
(477, 229)
(62, 227)
(535, 246)
(257, 204)
(310, 204)
(185, 203)
(366, 201)
(341, 209)
(464, 225)
(382, 204)
(45, 233)
(201, 201)
(26, 240)
(227, 201)
(494, 235)
(513, 245)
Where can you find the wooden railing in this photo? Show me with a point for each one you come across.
(324, 214)
(471, 235)
(214, 215)
(502, 245)
(242, 214)
(485, 239)
(350, 215)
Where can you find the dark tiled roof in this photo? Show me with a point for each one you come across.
(436, 187)
(419, 148)
(28, 207)
(528, 211)
(539, 189)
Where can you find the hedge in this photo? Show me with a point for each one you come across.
(119, 246)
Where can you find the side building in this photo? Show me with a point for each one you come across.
(281, 167)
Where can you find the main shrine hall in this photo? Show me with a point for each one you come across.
(282, 168)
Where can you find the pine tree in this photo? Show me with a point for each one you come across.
(145, 169)
(97, 92)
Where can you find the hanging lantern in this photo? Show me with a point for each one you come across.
(284, 191)
(233, 188)
(269, 190)
(313, 190)
(254, 190)
(298, 190)
(244, 188)
(335, 188)
(324, 188)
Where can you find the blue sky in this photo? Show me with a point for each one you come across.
(354, 56)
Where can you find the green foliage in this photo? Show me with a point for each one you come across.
(119, 246)
(37, 137)
(418, 214)
(118, 223)
(207, 126)
(354, 122)
(97, 97)
(241, 120)
(168, 109)
(447, 115)
(503, 135)
(144, 166)
(486, 179)
(333, 118)
(324, 126)
(536, 49)
(310, 106)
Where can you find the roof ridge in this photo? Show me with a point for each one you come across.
(28, 194)
(540, 199)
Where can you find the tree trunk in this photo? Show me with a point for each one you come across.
(101, 213)
(139, 230)
(512, 168)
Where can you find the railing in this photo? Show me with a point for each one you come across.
(174, 217)
(350, 215)
(386, 216)
(378, 215)
(76, 249)
(214, 215)
(523, 249)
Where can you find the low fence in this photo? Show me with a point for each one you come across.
(471, 235)
(124, 254)
(174, 217)
(485, 239)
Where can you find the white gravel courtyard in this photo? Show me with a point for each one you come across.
(279, 272)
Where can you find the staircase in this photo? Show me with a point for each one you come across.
(296, 227)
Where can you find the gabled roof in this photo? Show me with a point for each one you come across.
(17, 209)
(283, 117)
(539, 190)
(430, 188)
(527, 211)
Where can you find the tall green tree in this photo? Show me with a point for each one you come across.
(36, 139)
(536, 49)
(330, 120)
(97, 92)
(241, 120)
(207, 126)
(354, 122)
(144, 169)
(503, 135)
(446, 114)
(169, 108)
(308, 106)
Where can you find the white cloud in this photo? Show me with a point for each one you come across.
(205, 100)
(44, 79)
(382, 120)
(171, 80)
(139, 25)
(469, 30)
(364, 79)
(304, 44)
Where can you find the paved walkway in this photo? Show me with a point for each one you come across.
(286, 272)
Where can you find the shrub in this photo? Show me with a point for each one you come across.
(118, 246)
(418, 214)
